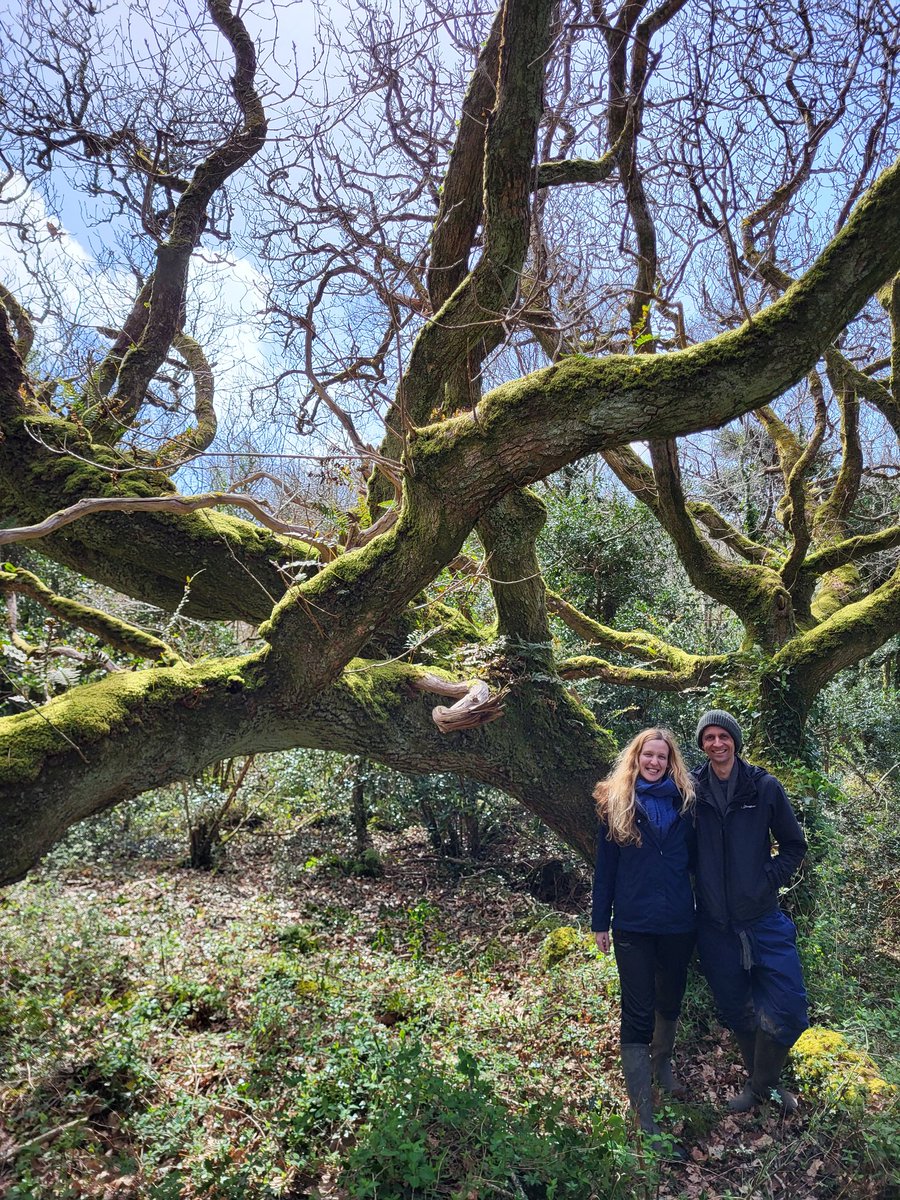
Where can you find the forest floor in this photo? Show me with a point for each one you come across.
(172, 1033)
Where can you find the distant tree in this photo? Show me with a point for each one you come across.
(627, 226)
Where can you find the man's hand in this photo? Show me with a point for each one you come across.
(602, 940)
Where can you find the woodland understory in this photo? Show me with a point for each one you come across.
(410, 1006)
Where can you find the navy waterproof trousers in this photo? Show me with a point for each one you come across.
(754, 972)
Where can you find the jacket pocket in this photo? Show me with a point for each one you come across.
(759, 892)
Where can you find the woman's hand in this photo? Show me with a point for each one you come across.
(602, 940)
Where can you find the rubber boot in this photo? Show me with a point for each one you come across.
(746, 1099)
(661, 1056)
(636, 1069)
(770, 1058)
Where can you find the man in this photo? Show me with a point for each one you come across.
(747, 946)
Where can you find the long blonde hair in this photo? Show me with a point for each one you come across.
(615, 794)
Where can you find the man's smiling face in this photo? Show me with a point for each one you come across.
(718, 746)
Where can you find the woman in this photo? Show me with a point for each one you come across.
(645, 847)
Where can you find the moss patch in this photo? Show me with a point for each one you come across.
(83, 716)
(831, 1070)
(561, 942)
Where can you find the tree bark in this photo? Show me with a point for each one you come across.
(109, 741)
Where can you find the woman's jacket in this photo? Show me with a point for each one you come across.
(646, 888)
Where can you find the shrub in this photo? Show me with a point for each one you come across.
(298, 939)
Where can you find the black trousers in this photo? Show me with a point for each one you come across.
(653, 973)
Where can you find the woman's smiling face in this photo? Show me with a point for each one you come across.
(653, 760)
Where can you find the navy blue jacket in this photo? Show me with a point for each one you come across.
(737, 878)
(646, 888)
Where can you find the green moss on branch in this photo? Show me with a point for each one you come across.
(113, 631)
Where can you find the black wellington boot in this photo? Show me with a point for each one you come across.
(769, 1057)
(767, 1065)
(636, 1069)
(661, 1056)
(745, 1100)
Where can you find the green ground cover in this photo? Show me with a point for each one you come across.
(279, 1028)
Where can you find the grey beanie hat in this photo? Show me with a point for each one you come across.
(718, 716)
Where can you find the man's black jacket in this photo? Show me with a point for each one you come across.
(737, 877)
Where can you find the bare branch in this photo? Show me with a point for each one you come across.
(157, 315)
(170, 504)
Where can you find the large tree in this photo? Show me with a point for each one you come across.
(627, 226)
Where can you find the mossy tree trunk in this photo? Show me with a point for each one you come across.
(319, 680)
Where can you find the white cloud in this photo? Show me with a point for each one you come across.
(50, 271)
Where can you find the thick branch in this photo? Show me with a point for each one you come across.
(21, 319)
(852, 633)
(636, 643)
(476, 309)
(723, 531)
(462, 195)
(509, 532)
(529, 428)
(561, 171)
(631, 470)
(526, 429)
(796, 494)
(162, 504)
(787, 444)
(203, 432)
(753, 592)
(624, 119)
(113, 739)
(851, 550)
(584, 666)
(864, 385)
(236, 567)
(158, 313)
(106, 741)
(113, 631)
(830, 518)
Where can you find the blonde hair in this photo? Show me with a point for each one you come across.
(615, 794)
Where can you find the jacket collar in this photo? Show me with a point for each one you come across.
(744, 786)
